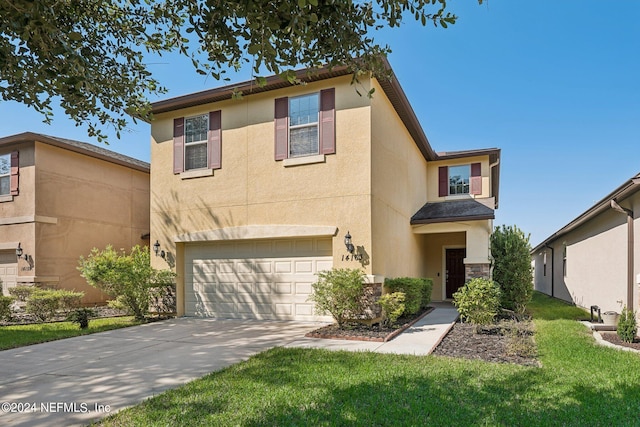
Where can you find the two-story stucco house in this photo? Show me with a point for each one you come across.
(60, 198)
(253, 196)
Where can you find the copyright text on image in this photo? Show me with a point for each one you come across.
(53, 407)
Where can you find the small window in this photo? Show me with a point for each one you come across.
(195, 142)
(303, 125)
(5, 174)
(459, 179)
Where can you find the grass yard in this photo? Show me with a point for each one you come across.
(20, 335)
(578, 384)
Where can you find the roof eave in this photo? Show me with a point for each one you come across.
(27, 137)
(451, 219)
(627, 189)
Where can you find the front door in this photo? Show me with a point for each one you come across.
(455, 270)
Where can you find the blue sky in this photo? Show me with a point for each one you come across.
(554, 83)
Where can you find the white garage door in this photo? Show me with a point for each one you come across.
(260, 279)
(8, 270)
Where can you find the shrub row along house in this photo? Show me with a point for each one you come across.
(251, 196)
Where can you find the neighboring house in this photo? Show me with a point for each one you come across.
(251, 197)
(59, 199)
(586, 262)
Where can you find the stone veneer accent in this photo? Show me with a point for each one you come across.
(474, 271)
(372, 292)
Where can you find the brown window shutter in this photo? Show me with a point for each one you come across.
(327, 131)
(15, 173)
(215, 139)
(476, 178)
(282, 128)
(178, 145)
(443, 181)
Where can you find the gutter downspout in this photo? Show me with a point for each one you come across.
(546, 245)
(630, 259)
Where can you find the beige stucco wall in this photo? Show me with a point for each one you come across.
(399, 190)
(596, 272)
(87, 203)
(252, 188)
(432, 177)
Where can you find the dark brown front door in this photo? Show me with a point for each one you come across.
(455, 270)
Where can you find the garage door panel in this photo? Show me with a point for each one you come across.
(303, 289)
(260, 279)
(227, 288)
(304, 309)
(301, 267)
(263, 288)
(323, 265)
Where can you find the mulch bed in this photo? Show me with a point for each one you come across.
(361, 332)
(504, 342)
(613, 338)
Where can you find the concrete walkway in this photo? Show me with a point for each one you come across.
(420, 339)
(74, 381)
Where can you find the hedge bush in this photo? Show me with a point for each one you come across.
(69, 300)
(5, 307)
(22, 292)
(392, 306)
(478, 301)
(339, 292)
(417, 292)
(43, 304)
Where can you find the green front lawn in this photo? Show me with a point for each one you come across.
(21, 335)
(579, 384)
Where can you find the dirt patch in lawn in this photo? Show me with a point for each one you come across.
(508, 341)
(361, 332)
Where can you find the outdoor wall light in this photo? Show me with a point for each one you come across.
(19, 253)
(157, 251)
(348, 244)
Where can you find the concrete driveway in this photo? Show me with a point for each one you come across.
(76, 380)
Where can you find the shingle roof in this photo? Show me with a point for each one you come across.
(451, 211)
(78, 147)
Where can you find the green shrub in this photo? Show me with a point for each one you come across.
(128, 278)
(69, 299)
(511, 254)
(392, 306)
(43, 304)
(22, 292)
(417, 292)
(81, 316)
(627, 325)
(478, 301)
(339, 292)
(5, 307)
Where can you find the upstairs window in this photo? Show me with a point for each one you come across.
(303, 125)
(195, 142)
(459, 178)
(5, 174)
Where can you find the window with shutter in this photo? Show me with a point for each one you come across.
(305, 125)
(460, 179)
(197, 142)
(5, 175)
